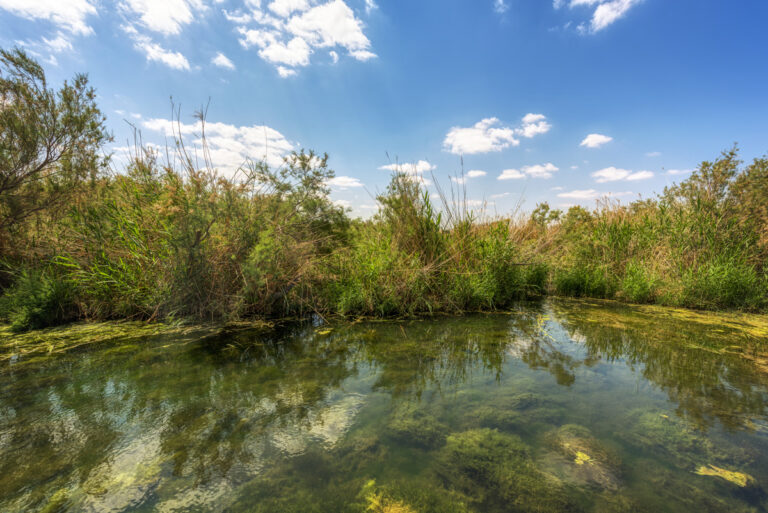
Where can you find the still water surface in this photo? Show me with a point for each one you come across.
(559, 406)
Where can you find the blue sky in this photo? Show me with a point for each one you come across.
(561, 101)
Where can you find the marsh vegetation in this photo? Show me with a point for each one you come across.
(165, 236)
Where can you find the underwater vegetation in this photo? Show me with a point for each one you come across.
(562, 406)
(497, 473)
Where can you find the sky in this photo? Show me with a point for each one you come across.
(515, 101)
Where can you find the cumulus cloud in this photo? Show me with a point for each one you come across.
(500, 6)
(344, 182)
(612, 174)
(222, 61)
(476, 173)
(533, 125)
(488, 135)
(535, 171)
(676, 172)
(229, 145)
(290, 32)
(595, 140)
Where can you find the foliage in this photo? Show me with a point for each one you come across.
(50, 141)
(170, 239)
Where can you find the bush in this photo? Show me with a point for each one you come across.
(38, 300)
(724, 283)
(639, 285)
(583, 281)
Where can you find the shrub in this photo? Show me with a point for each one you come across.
(639, 284)
(38, 299)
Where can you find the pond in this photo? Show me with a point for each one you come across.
(558, 406)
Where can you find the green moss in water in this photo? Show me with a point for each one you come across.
(496, 471)
(415, 427)
(584, 458)
(58, 503)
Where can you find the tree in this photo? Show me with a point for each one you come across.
(49, 140)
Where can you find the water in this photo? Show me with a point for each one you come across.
(560, 406)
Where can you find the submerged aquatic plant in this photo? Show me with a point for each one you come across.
(738, 478)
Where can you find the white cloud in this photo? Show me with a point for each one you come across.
(640, 175)
(612, 174)
(501, 195)
(511, 174)
(535, 171)
(675, 172)
(230, 145)
(540, 170)
(286, 72)
(476, 173)
(68, 15)
(533, 125)
(334, 56)
(591, 194)
(285, 7)
(487, 135)
(155, 52)
(653, 154)
(344, 182)
(294, 29)
(222, 61)
(595, 140)
(605, 13)
(164, 16)
(608, 12)
(345, 204)
(500, 6)
(415, 168)
(370, 6)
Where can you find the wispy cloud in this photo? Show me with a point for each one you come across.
(604, 12)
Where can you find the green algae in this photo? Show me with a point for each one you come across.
(417, 427)
(585, 458)
(496, 471)
(738, 478)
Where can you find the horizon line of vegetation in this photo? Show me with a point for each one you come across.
(174, 239)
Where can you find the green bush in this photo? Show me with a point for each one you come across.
(583, 281)
(639, 285)
(38, 300)
(724, 283)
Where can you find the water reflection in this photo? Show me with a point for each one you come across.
(305, 417)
